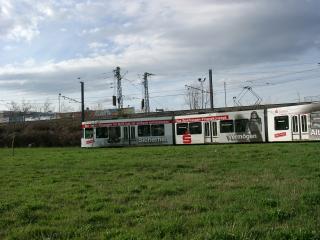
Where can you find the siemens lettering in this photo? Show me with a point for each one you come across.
(315, 132)
(153, 140)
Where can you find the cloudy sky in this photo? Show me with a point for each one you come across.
(46, 46)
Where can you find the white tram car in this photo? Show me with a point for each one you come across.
(265, 123)
(130, 131)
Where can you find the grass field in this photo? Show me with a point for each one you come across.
(255, 191)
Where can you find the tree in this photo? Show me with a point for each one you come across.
(47, 106)
(98, 106)
(25, 107)
(15, 113)
(13, 106)
(66, 108)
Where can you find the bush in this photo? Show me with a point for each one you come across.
(53, 133)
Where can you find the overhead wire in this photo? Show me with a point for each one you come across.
(235, 85)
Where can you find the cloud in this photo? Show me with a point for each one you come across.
(177, 40)
(19, 20)
(8, 48)
(97, 45)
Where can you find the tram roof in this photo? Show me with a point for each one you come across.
(204, 111)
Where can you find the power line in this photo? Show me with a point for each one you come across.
(269, 83)
(222, 71)
(283, 75)
(237, 86)
(70, 99)
(168, 95)
(258, 82)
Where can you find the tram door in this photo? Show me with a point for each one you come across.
(211, 132)
(129, 135)
(126, 137)
(300, 127)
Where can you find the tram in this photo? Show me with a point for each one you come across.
(245, 124)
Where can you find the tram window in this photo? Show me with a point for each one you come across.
(241, 125)
(125, 133)
(114, 134)
(182, 128)
(315, 120)
(144, 130)
(102, 132)
(114, 131)
(133, 132)
(295, 124)
(304, 127)
(207, 129)
(226, 126)
(195, 128)
(157, 130)
(88, 133)
(214, 129)
(281, 123)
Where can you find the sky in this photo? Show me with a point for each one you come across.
(47, 47)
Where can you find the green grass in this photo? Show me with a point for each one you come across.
(254, 191)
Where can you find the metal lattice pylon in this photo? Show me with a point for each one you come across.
(118, 77)
(146, 106)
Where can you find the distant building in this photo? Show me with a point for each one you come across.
(15, 117)
(4, 117)
(98, 114)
